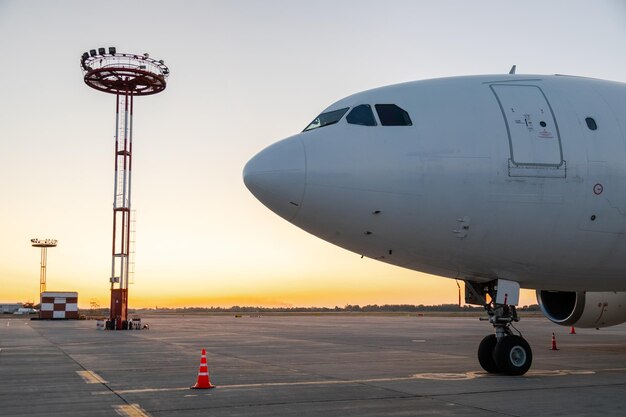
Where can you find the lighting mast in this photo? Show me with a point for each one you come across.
(126, 76)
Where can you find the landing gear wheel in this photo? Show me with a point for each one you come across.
(485, 354)
(512, 355)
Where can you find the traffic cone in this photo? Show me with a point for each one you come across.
(554, 343)
(572, 330)
(204, 382)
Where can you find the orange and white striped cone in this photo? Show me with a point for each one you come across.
(554, 343)
(204, 382)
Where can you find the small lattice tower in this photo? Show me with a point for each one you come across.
(126, 76)
(44, 244)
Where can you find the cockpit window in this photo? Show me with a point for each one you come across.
(325, 119)
(392, 115)
(361, 115)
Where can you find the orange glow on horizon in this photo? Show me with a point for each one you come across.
(397, 287)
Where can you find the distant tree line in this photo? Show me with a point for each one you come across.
(370, 308)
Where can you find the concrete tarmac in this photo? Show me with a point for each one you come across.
(313, 365)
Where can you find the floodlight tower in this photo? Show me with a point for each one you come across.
(44, 244)
(126, 76)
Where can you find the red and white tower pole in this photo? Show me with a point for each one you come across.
(121, 208)
(126, 76)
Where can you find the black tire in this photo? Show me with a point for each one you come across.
(485, 354)
(513, 355)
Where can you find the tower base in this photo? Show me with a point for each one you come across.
(119, 307)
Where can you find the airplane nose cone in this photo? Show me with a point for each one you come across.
(276, 177)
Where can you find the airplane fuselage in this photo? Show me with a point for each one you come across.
(520, 177)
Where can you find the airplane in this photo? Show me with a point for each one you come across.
(25, 310)
(503, 181)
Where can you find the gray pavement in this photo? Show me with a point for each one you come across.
(313, 365)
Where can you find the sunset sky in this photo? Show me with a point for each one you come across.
(244, 74)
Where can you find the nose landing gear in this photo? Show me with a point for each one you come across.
(503, 352)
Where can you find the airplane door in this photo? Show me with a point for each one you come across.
(533, 133)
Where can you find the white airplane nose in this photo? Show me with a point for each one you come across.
(276, 177)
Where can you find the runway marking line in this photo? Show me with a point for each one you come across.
(268, 384)
(130, 410)
(424, 376)
(90, 377)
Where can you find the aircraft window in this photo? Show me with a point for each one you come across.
(591, 124)
(325, 119)
(392, 115)
(361, 115)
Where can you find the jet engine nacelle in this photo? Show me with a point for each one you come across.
(583, 309)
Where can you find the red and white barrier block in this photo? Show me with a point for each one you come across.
(59, 305)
